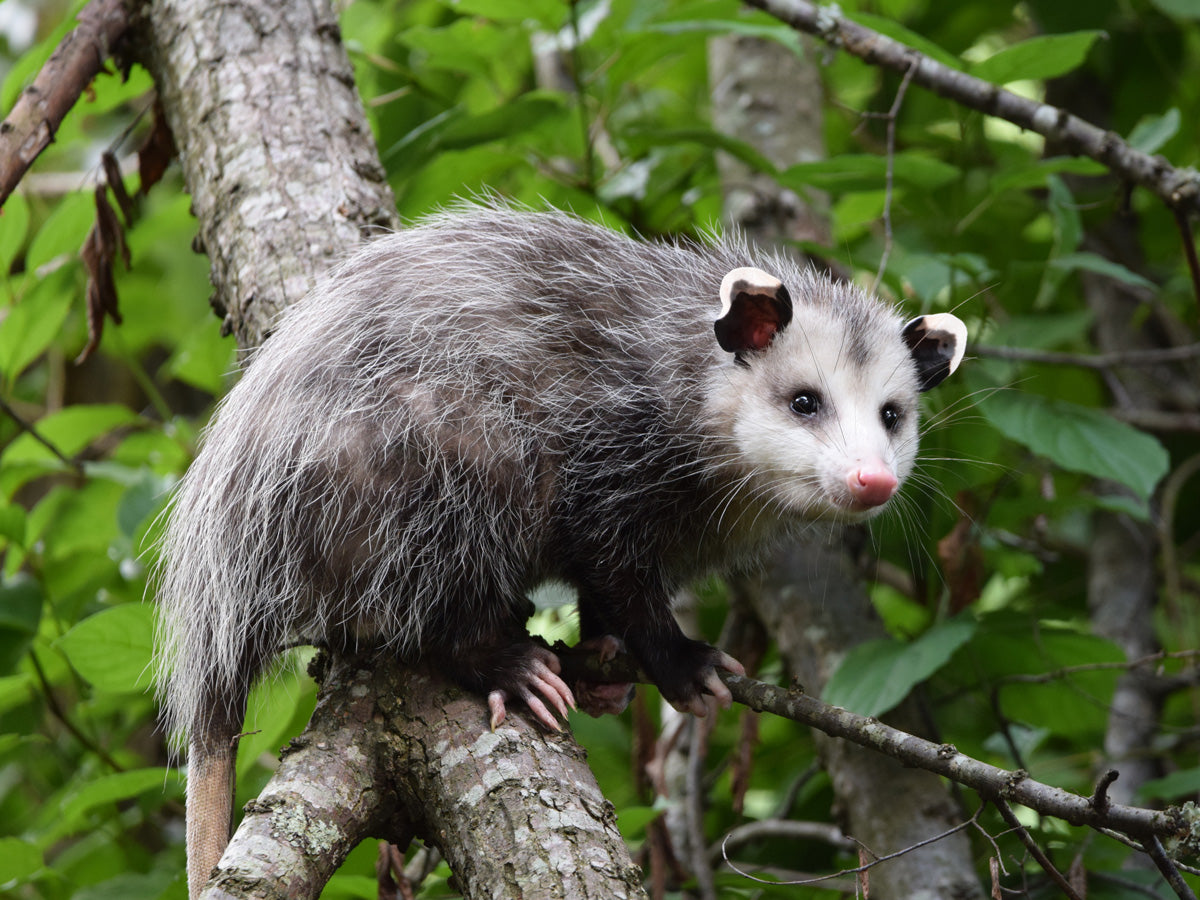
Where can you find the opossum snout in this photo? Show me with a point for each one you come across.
(872, 484)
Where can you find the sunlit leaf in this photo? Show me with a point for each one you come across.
(1040, 57)
(113, 648)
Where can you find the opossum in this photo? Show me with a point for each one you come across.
(494, 398)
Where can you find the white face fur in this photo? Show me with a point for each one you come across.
(823, 434)
(820, 398)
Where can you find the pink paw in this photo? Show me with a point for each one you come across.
(536, 684)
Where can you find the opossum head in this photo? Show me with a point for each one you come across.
(821, 399)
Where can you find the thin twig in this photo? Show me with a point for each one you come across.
(941, 759)
(1178, 188)
(59, 713)
(29, 428)
(35, 117)
(1035, 851)
(706, 885)
(1124, 665)
(1154, 849)
(865, 867)
(1189, 248)
(1112, 360)
(892, 115)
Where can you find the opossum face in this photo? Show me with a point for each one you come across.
(822, 402)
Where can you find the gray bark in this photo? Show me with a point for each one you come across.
(275, 147)
(390, 753)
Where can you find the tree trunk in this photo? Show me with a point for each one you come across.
(285, 180)
(392, 753)
(276, 151)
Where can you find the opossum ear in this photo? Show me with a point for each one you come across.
(937, 344)
(755, 307)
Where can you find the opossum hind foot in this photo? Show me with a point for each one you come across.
(597, 698)
(527, 672)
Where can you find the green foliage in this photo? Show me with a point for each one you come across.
(1025, 457)
(876, 675)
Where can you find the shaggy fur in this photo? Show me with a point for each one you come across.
(494, 398)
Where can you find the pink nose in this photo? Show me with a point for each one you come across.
(872, 484)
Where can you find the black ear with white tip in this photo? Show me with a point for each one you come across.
(755, 307)
(937, 344)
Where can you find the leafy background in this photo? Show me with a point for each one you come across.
(988, 222)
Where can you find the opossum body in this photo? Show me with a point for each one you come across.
(495, 398)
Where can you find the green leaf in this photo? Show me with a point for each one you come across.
(14, 223)
(549, 13)
(632, 821)
(859, 172)
(21, 603)
(113, 649)
(1080, 439)
(18, 859)
(32, 325)
(104, 790)
(1176, 785)
(70, 430)
(876, 675)
(707, 137)
(505, 121)
(1152, 132)
(1180, 9)
(1038, 58)
(13, 523)
(143, 499)
(63, 232)
(1091, 262)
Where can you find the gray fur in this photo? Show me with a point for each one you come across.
(412, 449)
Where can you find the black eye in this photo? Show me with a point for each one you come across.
(890, 415)
(806, 403)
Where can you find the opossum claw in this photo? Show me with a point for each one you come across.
(535, 683)
(496, 707)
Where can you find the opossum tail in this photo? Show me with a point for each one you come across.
(209, 803)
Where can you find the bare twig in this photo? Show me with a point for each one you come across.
(787, 829)
(892, 115)
(702, 871)
(1100, 798)
(865, 867)
(1157, 419)
(1035, 851)
(1178, 188)
(1154, 849)
(1092, 360)
(29, 428)
(42, 106)
(941, 759)
(1189, 249)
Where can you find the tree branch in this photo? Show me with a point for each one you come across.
(1178, 188)
(30, 127)
(391, 752)
(941, 759)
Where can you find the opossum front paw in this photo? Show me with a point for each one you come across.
(529, 673)
(598, 698)
(689, 672)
